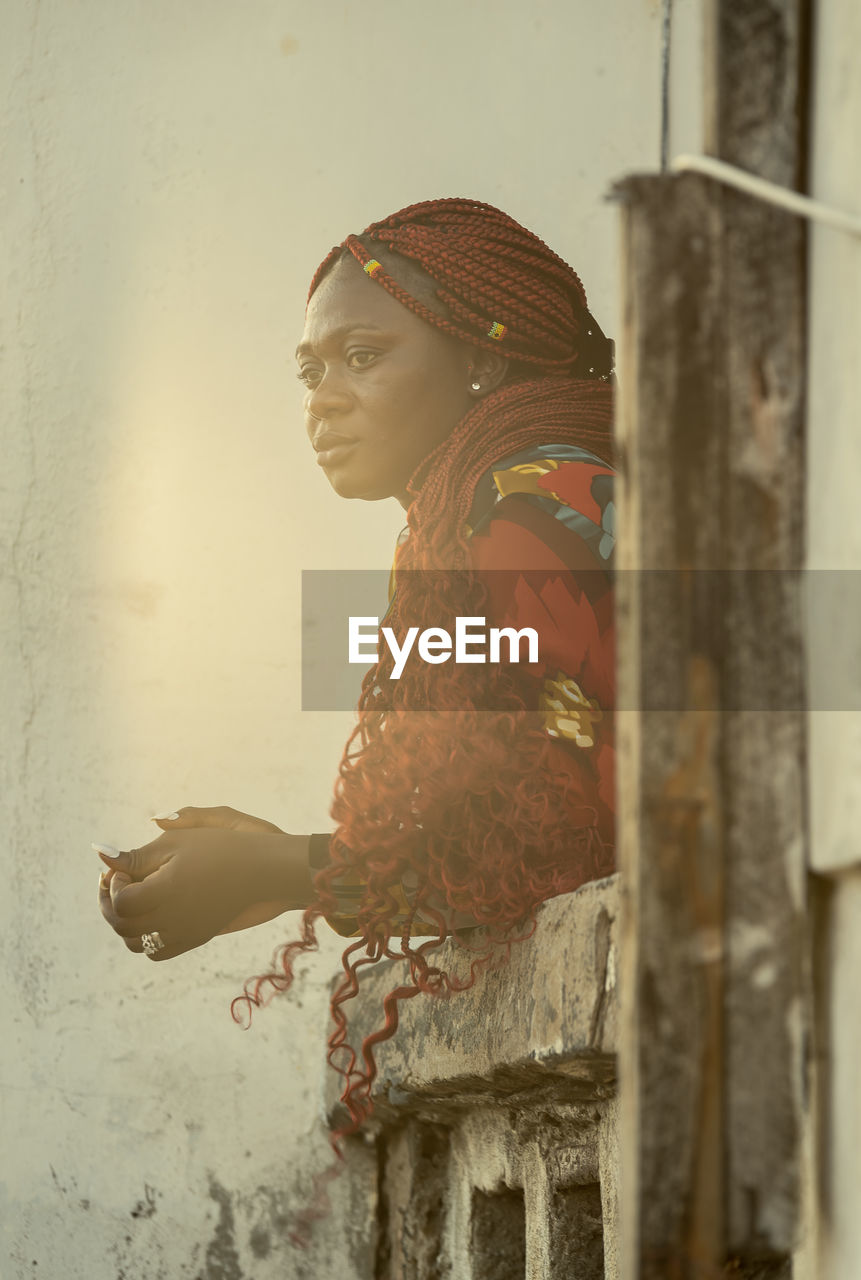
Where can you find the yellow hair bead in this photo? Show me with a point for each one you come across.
(496, 331)
(372, 266)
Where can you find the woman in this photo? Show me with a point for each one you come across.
(449, 361)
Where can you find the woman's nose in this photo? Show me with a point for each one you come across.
(328, 397)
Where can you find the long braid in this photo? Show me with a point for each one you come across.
(466, 802)
(559, 410)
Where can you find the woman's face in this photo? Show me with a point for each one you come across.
(383, 387)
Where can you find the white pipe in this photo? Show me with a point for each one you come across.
(769, 192)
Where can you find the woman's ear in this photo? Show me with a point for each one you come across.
(486, 371)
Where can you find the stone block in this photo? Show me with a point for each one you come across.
(543, 1024)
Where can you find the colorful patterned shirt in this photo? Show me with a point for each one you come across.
(544, 515)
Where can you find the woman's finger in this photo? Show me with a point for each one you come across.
(105, 896)
(132, 899)
(135, 863)
(215, 816)
(135, 929)
(106, 880)
(132, 940)
(107, 890)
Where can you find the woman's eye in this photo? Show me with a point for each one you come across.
(361, 359)
(309, 376)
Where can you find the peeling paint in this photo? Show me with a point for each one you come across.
(222, 1258)
(272, 1228)
(261, 1242)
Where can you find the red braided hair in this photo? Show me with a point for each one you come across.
(466, 803)
(489, 272)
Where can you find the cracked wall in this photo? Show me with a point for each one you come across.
(172, 178)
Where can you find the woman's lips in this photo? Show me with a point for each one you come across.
(331, 447)
(334, 453)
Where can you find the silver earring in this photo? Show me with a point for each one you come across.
(476, 386)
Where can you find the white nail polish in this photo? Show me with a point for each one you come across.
(164, 817)
(107, 849)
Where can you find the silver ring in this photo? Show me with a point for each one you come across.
(152, 943)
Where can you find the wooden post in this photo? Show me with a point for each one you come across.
(711, 760)
(711, 743)
(758, 119)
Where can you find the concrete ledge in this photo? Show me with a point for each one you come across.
(544, 1024)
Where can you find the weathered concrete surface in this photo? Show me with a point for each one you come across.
(504, 1189)
(562, 1161)
(838, 1246)
(834, 450)
(833, 1248)
(547, 1017)
(495, 1109)
(166, 203)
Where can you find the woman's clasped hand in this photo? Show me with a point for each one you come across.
(211, 871)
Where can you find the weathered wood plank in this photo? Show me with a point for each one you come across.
(711, 759)
(764, 783)
(671, 818)
(760, 125)
(711, 788)
(756, 108)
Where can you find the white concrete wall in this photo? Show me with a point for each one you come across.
(834, 543)
(834, 452)
(172, 176)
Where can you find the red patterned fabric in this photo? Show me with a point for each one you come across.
(539, 573)
(569, 602)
